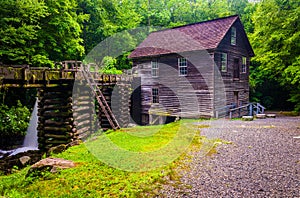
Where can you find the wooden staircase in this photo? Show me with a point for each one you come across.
(231, 111)
(100, 98)
(249, 109)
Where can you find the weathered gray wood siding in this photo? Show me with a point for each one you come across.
(206, 88)
(187, 96)
(234, 52)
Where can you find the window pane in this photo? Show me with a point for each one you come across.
(233, 36)
(244, 64)
(154, 70)
(182, 66)
(224, 62)
(155, 98)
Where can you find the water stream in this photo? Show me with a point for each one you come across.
(31, 139)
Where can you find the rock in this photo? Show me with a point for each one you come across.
(7, 163)
(74, 143)
(247, 118)
(271, 115)
(52, 165)
(57, 149)
(4, 154)
(261, 116)
(24, 160)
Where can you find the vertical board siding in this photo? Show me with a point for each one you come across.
(188, 96)
(237, 51)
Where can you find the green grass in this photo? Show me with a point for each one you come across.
(289, 113)
(93, 178)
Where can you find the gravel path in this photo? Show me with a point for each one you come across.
(263, 160)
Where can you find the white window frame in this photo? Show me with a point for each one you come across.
(233, 36)
(182, 67)
(224, 62)
(244, 64)
(155, 95)
(154, 68)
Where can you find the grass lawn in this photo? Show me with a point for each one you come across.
(91, 177)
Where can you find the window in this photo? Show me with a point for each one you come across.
(233, 36)
(224, 62)
(244, 64)
(236, 69)
(155, 98)
(154, 66)
(182, 65)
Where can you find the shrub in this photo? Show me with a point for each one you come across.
(109, 66)
(14, 121)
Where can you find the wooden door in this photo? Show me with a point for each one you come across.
(236, 98)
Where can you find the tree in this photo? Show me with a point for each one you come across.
(276, 41)
(19, 30)
(246, 17)
(60, 33)
(39, 32)
(107, 18)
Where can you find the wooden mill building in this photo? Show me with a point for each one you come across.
(195, 70)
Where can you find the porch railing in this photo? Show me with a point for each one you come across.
(231, 111)
(248, 109)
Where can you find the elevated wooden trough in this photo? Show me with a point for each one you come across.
(66, 107)
(36, 77)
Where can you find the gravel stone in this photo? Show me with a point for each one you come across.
(262, 160)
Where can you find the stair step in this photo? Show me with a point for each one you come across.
(261, 116)
(247, 118)
(271, 115)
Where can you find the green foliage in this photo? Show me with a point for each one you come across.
(295, 98)
(14, 120)
(60, 34)
(276, 41)
(123, 62)
(20, 23)
(106, 18)
(109, 66)
(179, 12)
(40, 32)
(246, 17)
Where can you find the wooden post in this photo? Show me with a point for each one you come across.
(150, 119)
(55, 124)
(251, 109)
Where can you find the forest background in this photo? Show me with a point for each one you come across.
(42, 32)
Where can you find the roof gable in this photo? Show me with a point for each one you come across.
(198, 36)
(244, 37)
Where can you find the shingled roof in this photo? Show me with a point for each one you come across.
(198, 36)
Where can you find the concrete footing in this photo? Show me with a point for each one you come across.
(271, 115)
(261, 116)
(247, 118)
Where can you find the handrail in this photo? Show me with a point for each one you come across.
(100, 98)
(252, 108)
(259, 108)
(221, 109)
(239, 109)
